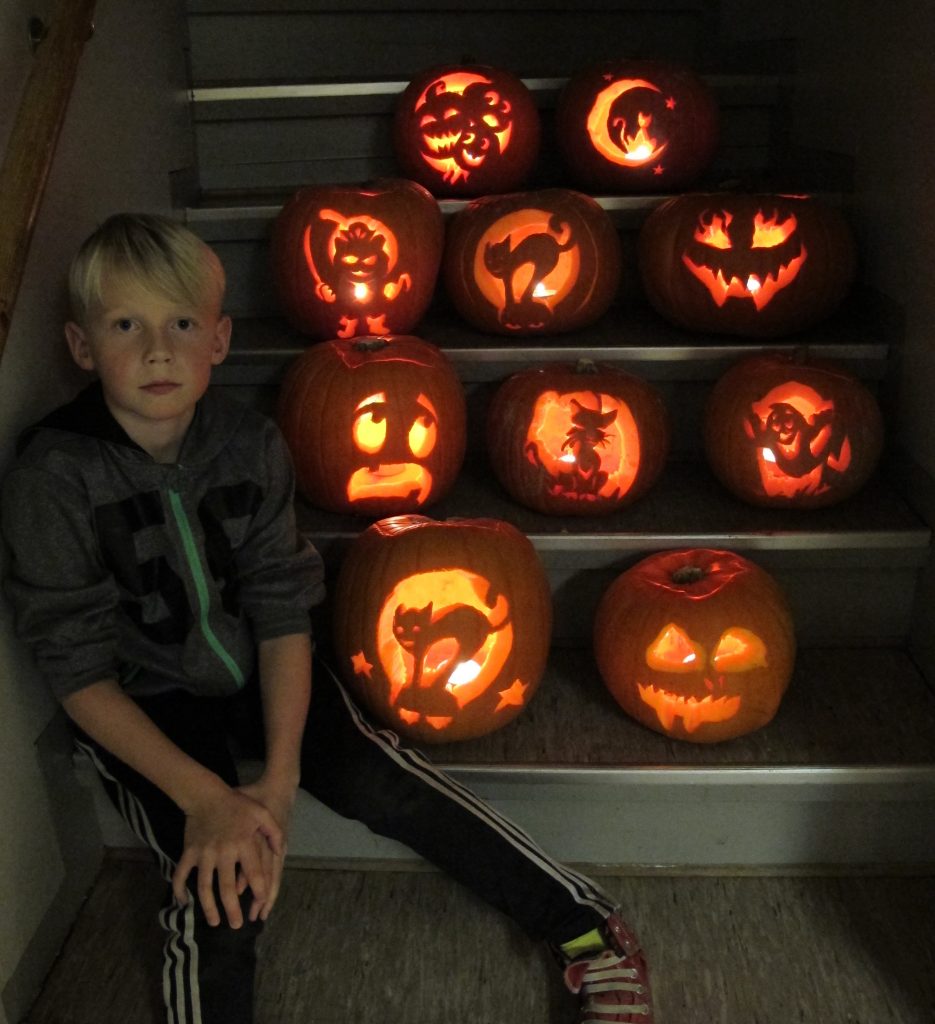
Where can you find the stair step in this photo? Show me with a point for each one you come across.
(728, 950)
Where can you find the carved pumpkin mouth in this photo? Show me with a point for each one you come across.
(693, 711)
(390, 480)
(759, 289)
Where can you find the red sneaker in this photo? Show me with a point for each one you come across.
(614, 983)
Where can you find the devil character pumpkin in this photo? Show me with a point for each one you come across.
(442, 629)
(785, 430)
(576, 439)
(357, 260)
(376, 426)
(697, 644)
(466, 130)
(753, 265)
(544, 262)
(636, 126)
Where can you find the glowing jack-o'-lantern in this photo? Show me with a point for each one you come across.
(697, 644)
(579, 439)
(542, 262)
(466, 130)
(357, 260)
(782, 429)
(755, 265)
(636, 126)
(376, 426)
(442, 629)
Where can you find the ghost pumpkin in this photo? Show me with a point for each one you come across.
(466, 130)
(784, 430)
(576, 439)
(636, 126)
(543, 262)
(442, 629)
(352, 260)
(752, 265)
(697, 644)
(376, 426)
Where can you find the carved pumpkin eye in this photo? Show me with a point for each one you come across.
(370, 424)
(714, 233)
(739, 650)
(673, 650)
(769, 233)
(424, 431)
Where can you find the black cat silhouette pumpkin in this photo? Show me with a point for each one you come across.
(376, 426)
(543, 262)
(753, 265)
(576, 439)
(466, 130)
(442, 628)
(697, 644)
(352, 260)
(636, 126)
(784, 430)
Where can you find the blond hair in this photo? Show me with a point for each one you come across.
(157, 253)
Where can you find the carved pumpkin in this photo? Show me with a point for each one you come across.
(785, 430)
(376, 426)
(754, 265)
(582, 439)
(696, 644)
(357, 260)
(636, 126)
(466, 130)
(543, 262)
(442, 629)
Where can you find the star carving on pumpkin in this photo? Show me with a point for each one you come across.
(670, 103)
(658, 169)
(512, 696)
(360, 664)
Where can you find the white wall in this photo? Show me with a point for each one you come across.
(126, 130)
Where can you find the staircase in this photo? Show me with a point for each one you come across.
(298, 93)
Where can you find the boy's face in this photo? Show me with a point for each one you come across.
(153, 355)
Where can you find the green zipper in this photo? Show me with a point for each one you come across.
(201, 587)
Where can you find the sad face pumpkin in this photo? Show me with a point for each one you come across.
(697, 644)
(755, 265)
(376, 426)
(442, 628)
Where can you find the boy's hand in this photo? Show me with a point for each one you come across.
(278, 799)
(235, 837)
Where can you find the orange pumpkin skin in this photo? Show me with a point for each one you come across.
(466, 130)
(697, 644)
(351, 260)
(442, 629)
(785, 431)
(751, 265)
(376, 426)
(544, 262)
(577, 439)
(636, 126)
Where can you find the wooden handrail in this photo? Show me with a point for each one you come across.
(32, 142)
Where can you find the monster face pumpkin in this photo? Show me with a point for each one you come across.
(789, 431)
(697, 644)
(466, 130)
(542, 262)
(636, 126)
(442, 628)
(755, 265)
(356, 260)
(579, 439)
(376, 426)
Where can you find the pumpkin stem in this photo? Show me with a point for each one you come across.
(688, 574)
(585, 366)
(370, 344)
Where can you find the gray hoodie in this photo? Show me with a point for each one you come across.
(162, 576)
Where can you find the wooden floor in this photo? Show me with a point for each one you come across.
(409, 947)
